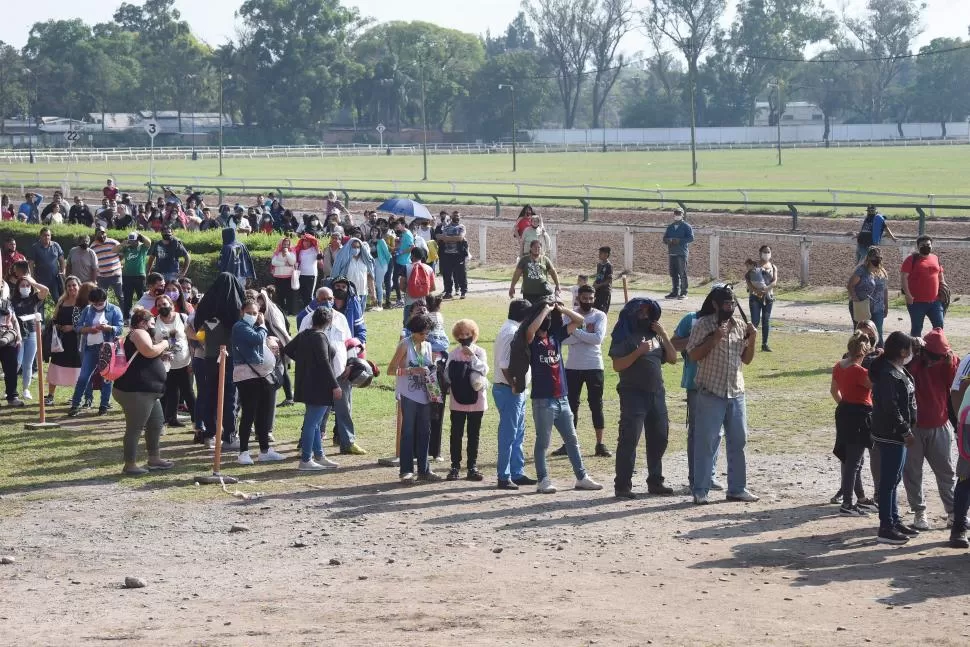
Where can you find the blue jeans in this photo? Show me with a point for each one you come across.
(89, 364)
(549, 412)
(201, 412)
(919, 311)
(27, 356)
(761, 314)
(691, 414)
(379, 272)
(415, 433)
(711, 412)
(892, 458)
(310, 444)
(342, 410)
(511, 431)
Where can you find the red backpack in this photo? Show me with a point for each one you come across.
(420, 281)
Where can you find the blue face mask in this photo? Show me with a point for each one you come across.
(326, 304)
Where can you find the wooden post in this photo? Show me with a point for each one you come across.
(714, 244)
(626, 292)
(220, 403)
(553, 250)
(482, 243)
(803, 249)
(41, 381)
(628, 250)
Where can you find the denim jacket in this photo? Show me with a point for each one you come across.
(247, 344)
(112, 315)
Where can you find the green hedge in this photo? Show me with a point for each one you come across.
(203, 246)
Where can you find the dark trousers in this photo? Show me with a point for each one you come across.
(8, 360)
(132, 287)
(287, 385)
(178, 387)
(285, 297)
(307, 285)
(593, 379)
(453, 270)
(892, 458)
(761, 315)
(258, 398)
(961, 504)
(202, 404)
(437, 422)
(852, 472)
(602, 297)
(677, 266)
(400, 272)
(387, 278)
(458, 419)
(228, 404)
(641, 412)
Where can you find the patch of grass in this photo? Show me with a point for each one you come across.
(787, 398)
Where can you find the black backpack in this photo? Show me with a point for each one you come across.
(865, 234)
(459, 376)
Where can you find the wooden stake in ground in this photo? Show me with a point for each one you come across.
(626, 292)
(396, 460)
(42, 423)
(216, 477)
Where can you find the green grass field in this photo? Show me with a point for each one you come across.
(87, 449)
(919, 170)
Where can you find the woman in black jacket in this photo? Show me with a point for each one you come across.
(893, 417)
(316, 386)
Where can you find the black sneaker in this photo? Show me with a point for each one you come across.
(852, 511)
(475, 475)
(559, 452)
(16, 403)
(765, 348)
(452, 474)
(87, 404)
(73, 413)
(837, 499)
(903, 529)
(868, 505)
(447, 296)
(103, 411)
(659, 488)
(958, 539)
(624, 494)
(890, 536)
(602, 451)
(672, 295)
(285, 403)
(175, 423)
(524, 480)
(507, 485)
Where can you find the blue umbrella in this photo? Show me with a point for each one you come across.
(405, 207)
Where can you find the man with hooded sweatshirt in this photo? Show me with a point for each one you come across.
(234, 258)
(346, 303)
(639, 348)
(720, 343)
(355, 263)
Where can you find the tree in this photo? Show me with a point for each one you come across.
(518, 36)
(692, 26)
(610, 23)
(941, 80)
(883, 34)
(829, 86)
(487, 111)
(654, 94)
(11, 88)
(566, 37)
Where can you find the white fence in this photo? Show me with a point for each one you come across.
(757, 135)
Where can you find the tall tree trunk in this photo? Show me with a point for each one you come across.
(943, 127)
(825, 135)
(899, 128)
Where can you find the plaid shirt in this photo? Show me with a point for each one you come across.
(720, 372)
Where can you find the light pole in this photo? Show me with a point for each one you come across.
(424, 119)
(30, 136)
(691, 74)
(222, 79)
(777, 86)
(195, 155)
(511, 88)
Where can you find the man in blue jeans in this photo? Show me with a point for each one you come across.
(720, 343)
(510, 405)
(99, 322)
(550, 404)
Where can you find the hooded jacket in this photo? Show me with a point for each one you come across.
(352, 311)
(234, 258)
(893, 402)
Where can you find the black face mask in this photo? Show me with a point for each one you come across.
(455, 221)
(644, 326)
(723, 315)
(340, 295)
(585, 307)
(465, 342)
(925, 250)
(876, 262)
(167, 237)
(165, 311)
(85, 245)
(546, 324)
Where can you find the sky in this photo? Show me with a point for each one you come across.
(214, 20)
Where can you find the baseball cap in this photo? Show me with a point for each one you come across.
(132, 237)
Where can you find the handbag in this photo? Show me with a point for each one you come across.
(7, 337)
(57, 345)
(861, 310)
(275, 374)
(295, 279)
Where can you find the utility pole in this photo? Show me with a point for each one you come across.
(778, 112)
(511, 88)
(30, 123)
(691, 69)
(424, 119)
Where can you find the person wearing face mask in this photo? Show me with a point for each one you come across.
(454, 251)
(873, 227)
(893, 417)
(466, 370)
(584, 367)
(28, 301)
(165, 256)
(282, 266)
(544, 335)
(639, 348)
(99, 322)
(82, 261)
(138, 392)
(355, 262)
(109, 263)
(65, 365)
(170, 325)
(869, 291)
(677, 238)
(921, 278)
(720, 343)
(761, 281)
(155, 287)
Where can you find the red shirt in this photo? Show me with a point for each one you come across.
(933, 389)
(110, 192)
(852, 384)
(522, 225)
(924, 277)
(8, 261)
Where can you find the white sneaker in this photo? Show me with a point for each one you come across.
(310, 466)
(701, 499)
(327, 463)
(210, 443)
(407, 478)
(743, 496)
(586, 483)
(27, 395)
(545, 486)
(271, 439)
(271, 455)
(244, 458)
(920, 522)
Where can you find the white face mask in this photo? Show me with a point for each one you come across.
(678, 217)
(25, 292)
(356, 251)
(766, 256)
(250, 319)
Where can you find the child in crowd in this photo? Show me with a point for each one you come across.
(603, 285)
(754, 276)
(581, 280)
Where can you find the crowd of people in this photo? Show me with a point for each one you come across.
(898, 398)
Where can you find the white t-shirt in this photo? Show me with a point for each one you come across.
(585, 348)
(357, 272)
(503, 352)
(96, 337)
(338, 333)
(963, 372)
(307, 262)
(424, 233)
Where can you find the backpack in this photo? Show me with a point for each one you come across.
(420, 281)
(112, 363)
(459, 376)
(864, 238)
